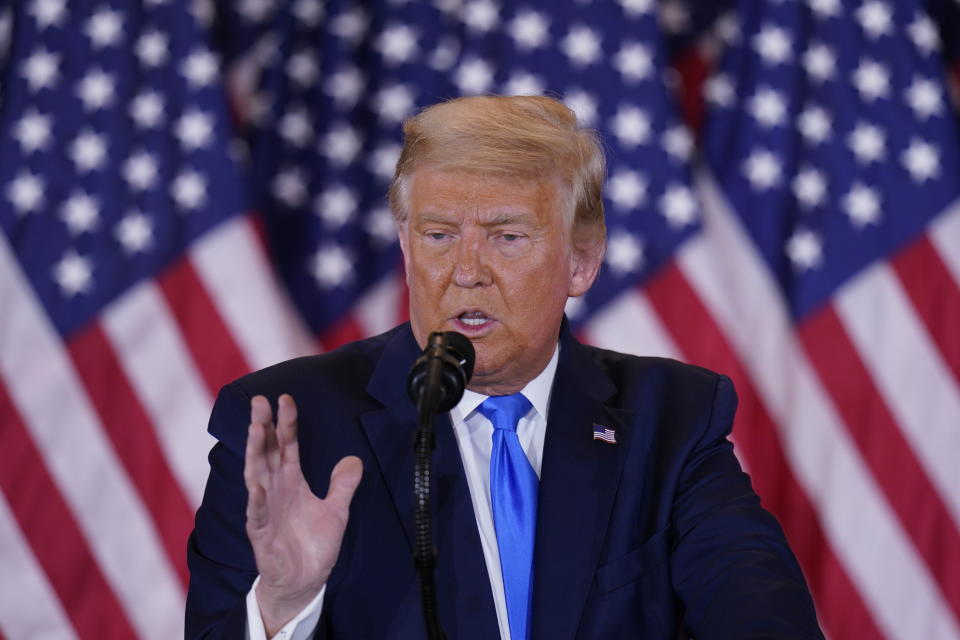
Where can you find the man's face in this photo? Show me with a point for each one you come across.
(490, 257)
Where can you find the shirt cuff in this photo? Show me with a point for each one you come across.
(300, 628)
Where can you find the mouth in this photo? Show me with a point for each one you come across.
(473, 323)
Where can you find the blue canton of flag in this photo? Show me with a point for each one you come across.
(108, 136)
(839, 129)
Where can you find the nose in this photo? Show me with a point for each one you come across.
(471, 269)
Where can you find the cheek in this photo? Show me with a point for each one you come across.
(544, 280)
(427, 279)
(429, 274)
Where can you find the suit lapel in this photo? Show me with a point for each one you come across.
(390, 429)
(579, 480)
(464, 595)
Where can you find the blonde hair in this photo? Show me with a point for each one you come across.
(516, 136)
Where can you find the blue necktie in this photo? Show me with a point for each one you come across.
(513, 490)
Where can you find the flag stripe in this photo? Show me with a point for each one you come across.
(347, 329)
(129, 429)
(905, 365)
(55, 539)
(42, 383)
(629, 324)
(839, 606)
(727, 274)
(945, 236)
(155, 359)
(378, 310)
(235, 272)
(215, 354)
(868, 421)
(29, 606)
(935, 297)
(693, 66)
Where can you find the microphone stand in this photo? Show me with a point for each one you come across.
(424, 553)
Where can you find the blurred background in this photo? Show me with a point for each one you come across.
(193, 190)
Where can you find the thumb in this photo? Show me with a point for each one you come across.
(344, 480)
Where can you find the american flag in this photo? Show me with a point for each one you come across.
(606, 434)
(189, 191)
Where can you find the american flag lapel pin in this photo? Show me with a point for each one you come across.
(606, 434)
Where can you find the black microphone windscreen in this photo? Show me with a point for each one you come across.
(461, 344)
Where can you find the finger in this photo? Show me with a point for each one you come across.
(343, 482)
(255, 471)
(271, 448)
(287, 431)
(262, 414)
(260, 410)
(256, 507)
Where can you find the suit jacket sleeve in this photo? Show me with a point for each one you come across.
(219, 556)
(730, 562)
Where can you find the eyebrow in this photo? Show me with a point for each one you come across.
(508, 217)
(495, 219)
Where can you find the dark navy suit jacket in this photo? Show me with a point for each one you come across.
(657, 535)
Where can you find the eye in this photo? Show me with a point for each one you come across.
(511, 243)
(508, 237)
(437, 237)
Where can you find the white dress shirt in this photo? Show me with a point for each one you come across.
(474, 433)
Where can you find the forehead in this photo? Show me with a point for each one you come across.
(457, 191)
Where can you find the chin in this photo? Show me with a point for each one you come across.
(483, 367)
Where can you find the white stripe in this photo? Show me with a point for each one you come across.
(379, 309)
(29, 607)
(945, 236)
(155, 359)
(908, 370)
(117, 528)
(724, 268)
(630, 325)
(241, 282)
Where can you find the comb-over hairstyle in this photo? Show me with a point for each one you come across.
(521, 136)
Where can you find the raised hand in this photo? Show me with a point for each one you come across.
(295, 535)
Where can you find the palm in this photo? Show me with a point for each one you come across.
(295, 535)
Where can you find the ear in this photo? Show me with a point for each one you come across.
(402, 229)
(584, 266)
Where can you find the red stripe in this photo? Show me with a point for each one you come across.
(126, 424)
(259, 227)
(403, 312)
(693, 68)
(347, 329)
(839, 606)
(214, 351)
(953, 82)
(889, 456)
(53, 534)
(935, 296)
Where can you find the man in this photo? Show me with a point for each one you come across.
(638, 519)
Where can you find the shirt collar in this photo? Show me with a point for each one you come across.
(537, 392)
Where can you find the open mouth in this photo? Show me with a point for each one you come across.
(472, 321)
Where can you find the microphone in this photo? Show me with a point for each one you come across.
(439, 376)
(435, 383)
